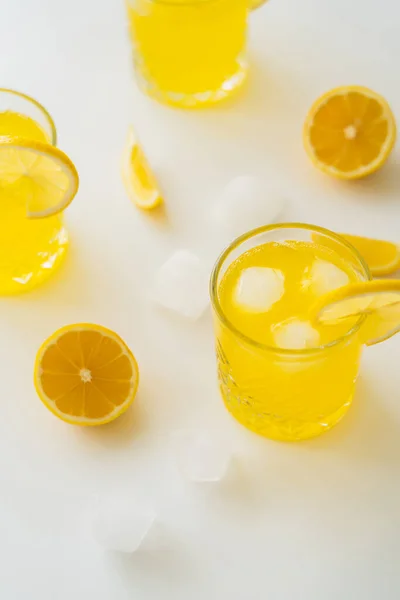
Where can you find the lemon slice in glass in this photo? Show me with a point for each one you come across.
(39, 174)
(383, 257)
(377, 301)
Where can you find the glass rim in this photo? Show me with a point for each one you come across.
(248, 340)
(38, 105)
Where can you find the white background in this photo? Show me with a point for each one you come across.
(316, 521)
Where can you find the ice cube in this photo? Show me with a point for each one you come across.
(295, 334)
(259, 288)
(121, 526)
(181, 285)
(325, 277)
(247, 202)
(200, 457)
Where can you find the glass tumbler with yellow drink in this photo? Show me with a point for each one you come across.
(293, 306)
(37, 182)
(189, 53)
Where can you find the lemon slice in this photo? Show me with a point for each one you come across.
(138, 178)
(86, 375)
(377, 301)
(349, 132)
(39, 174)
(383, 258)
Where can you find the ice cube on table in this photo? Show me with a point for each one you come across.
(200, 457)
(121, 526)
(181, 285)
(259, 288)
(325, 277)
(296, 334)
(247, 202)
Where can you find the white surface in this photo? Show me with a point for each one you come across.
(311, 521)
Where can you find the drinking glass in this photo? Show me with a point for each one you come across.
(280, 393)
(189, 53)
(31, 249)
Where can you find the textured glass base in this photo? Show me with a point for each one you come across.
(300, 425)
(285, 430)
(198, 100)
(278, 411)
(271, 425)
(32, 266)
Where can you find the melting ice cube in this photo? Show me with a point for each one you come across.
(181, 285)
(325, 277)
(121, 526)
(259, 288)
(295, 335)
(201, 457)
(247, 202)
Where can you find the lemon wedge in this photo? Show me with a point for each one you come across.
(42, 176)
(86, 375)
(349, 132)
(377, 301)
(139, 180)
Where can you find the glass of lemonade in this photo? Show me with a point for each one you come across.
(30, 248)
(281, 375)
(189, 53)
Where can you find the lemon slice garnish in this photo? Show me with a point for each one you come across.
(383, 257)
(377, 301)
(39, 174)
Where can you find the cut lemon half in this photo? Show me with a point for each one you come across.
(383, 258)
(38, 174)
(377, 301)
(138, 178)
(349, 132)
(86, 375)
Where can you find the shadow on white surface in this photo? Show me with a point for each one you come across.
(128, 428)
(381, 187)
(158, 218)
(266, 94)
(368, 435)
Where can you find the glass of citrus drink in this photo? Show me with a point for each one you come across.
(37, 182)
(189, 53)
(282, 374)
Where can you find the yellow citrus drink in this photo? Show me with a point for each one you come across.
(281, 374)
(189, 52)
(30, 248)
